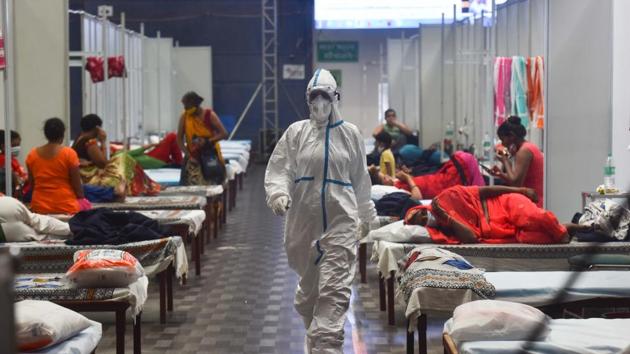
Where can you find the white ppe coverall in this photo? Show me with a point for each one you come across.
(319, 169)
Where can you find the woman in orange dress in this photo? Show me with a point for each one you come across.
(494, 214)
(53, 171)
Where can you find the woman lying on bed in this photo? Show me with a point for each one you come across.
(462, 169)
(494, 214)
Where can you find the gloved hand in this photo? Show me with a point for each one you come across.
(280, 205)
(366, 226)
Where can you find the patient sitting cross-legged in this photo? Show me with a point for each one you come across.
(494, 214)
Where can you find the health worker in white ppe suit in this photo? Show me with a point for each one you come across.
(318, 176)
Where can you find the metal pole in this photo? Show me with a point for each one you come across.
(159, 84)
(454, 121)
(9, 87)
(142, 81)
(125, 118)
(106, 96)
(402, 77)
(492, 83)
(249, 104)
(419, 82)
(442, 101)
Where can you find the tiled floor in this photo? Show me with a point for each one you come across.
(243, 302)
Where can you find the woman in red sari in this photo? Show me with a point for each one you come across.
(494, 214)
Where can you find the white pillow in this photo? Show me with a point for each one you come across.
(400, 233)
(40, 324)
(104, 268)
(379, 191)
(494, 320)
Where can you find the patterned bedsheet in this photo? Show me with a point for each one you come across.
(51, 287)
(193, 218)
(54, 256)
(506, 257)
(157, 203)
(207, 191)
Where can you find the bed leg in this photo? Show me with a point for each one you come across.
(162, 277)
(121, 322)
(363, 262)
(170, 271)
(391, 314)
(215, 218)
(197, 254)
(410, 339)
(381, 291)
(422, 334)
(137, 334)
(206, 223)
(224, 205)
(240, 181)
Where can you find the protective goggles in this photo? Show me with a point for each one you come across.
(321, 93)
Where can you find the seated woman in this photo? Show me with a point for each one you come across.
(200, 129)
(17, 223)
(53, 172)
(462, 169)
(164, 153)
(387, 163)
(493, 214)
(121, 172)
(19, 176)
(527, 169)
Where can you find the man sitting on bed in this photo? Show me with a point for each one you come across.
(462, 169)
(494, 214)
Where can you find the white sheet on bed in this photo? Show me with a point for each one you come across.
(164, 176)
(592, 336)
(539, 288)
(531, 288)
(83, 342)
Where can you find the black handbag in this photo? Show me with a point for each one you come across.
(212, 168)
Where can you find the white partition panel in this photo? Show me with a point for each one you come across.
(41, 67)
(403, 79)
(159, 113)
(192, 72)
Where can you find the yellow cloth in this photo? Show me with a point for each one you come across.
(195, 125)
(388, 157)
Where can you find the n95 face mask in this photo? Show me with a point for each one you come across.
(320, 109)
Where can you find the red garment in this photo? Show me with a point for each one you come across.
(513, 218)
(431, 185)
(534, 178)
(167, 150)
(15, 167)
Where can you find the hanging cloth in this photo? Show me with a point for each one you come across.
(535, 90)
(518, 90)
(502, 77)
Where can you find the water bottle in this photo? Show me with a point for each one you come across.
(449, 130)
(487, 147)
(609, 173)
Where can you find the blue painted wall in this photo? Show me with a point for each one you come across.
(232, 28)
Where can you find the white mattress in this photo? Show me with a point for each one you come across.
(539, 288)
(84, 342)
(531, 288)
(165, 176)
(592, 336)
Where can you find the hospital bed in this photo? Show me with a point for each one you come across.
(214, 204)
(186, 224)
(85, 341)
(491, 257)
(538, 289)
(164, 258)
(50, 287)
(592, 336)
(169, 177)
